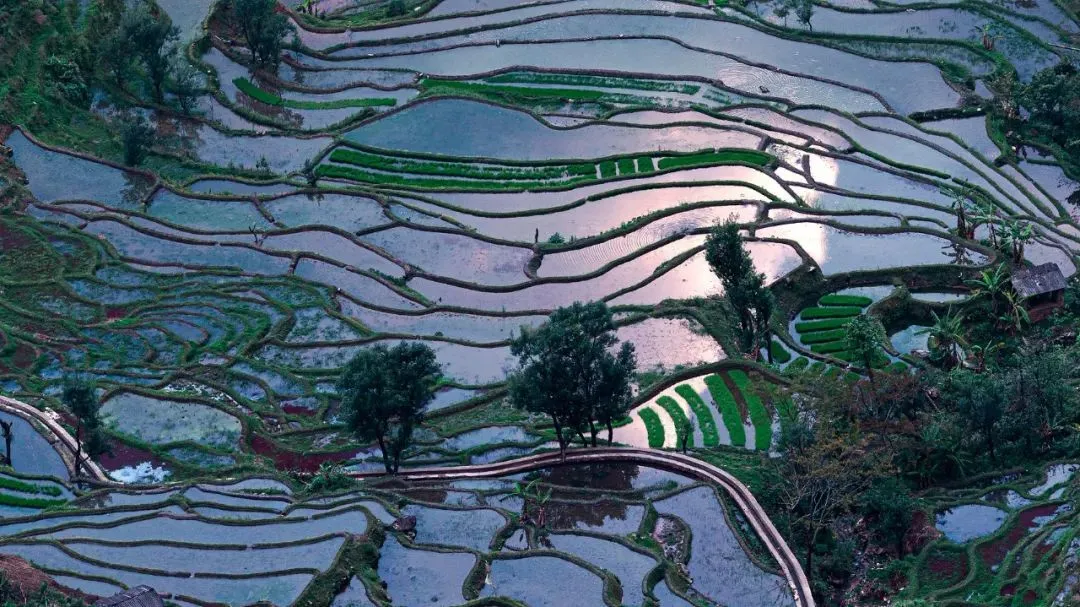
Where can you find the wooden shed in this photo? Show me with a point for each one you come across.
(139, 596)
(1042, 287)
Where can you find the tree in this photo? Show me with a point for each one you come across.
(863, 337)
(804, 12)
(568, 371)
(1015, 234)
(152, 39)
(186, 83)
(384, 392)
(136, 135)
(396, 8)
(1051, 97)
(891, 508)
(946, 338)
(689, 423)
(80, 398)
(262, 27)
(115, 56)
(6, 430)
(991, 284)
(743, 286)
(980, 399)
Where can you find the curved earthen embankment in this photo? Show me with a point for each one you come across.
(59, 437)
(674, 462)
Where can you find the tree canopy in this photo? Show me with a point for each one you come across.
(570, 370)
(263, 28)
(744, 287)
(384, 392)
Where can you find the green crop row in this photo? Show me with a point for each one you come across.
(24, 487)
(729, 409)
(709, 436)
(780, 354)
(709, 158)
(645, 165)
(606, 82)
(822, 325)
(249, 88)
(832, 347)
(820, 337)
(653, 427)
(834, 299)
(678, 416)
(607, 169)
(518, 92)
(626, 166)
(759, 415)
(16, 501)
(830, 312)
(459, 169)
(355, 174)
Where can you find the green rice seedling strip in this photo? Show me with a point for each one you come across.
(644, 165)
(653, 427)
(844, 300)
(522, 92)
(607, 82)
(822, 325)
(249, 88)
(729, 410)
(459, 169)
(607, 169)
(626, 166)
(820, 337)
(709, 436)
(779, 353)
(24, 487)
(359, 175)
(759, 415)
(678, 416)
(27, 502)
(752, 157)
(831, 347)
(831, 312)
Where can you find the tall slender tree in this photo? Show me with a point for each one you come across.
(262, 27)
(80, 398)
(863, 337)
(744, 287)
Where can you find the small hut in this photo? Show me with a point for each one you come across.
(1042, 287)
(139, 596)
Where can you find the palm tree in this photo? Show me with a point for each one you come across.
(947, 339)
(987, 35)
(963, 207)
(986, 214)
(1015, 234)
(991, 284)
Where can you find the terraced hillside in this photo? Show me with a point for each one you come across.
(447, 173)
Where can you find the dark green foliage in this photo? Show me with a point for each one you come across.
(778, 352)
(12, 596)
(262, 27)
(626, 166)
(818, 337)
(1053, 98)
(569, 370)
(330, 477)
(396, 8)
(136, 135)
(152, 39)
(384, 392)
(80, 398)
(185, 82)
(607, 169)
(24, 487)
(744, 287)
(863, 338)
(890, 509)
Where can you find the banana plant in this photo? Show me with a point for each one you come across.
(991, 284)
(947, 339)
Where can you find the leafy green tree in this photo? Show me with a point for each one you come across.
(804, 12)
(384, 392)
(263, 28)
(1052, 98)
(8, 433)
(569, 372)
(136, 136)
(744, 287)
(946, 339)
(80, 398)
(186, 83)
(863, 338)
(396, 8)
(981, 399)
(890, 507)
(152, 39)
(115, 56)
(1044, 398)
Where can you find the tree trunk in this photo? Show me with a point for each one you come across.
(385, 455)
(768, 344)
(593, 432)
(559, 437)
(610, 433)
(810, 554)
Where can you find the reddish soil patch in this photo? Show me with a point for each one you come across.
(1008, 590)
(947, 568)
(298, 410)
(25, 580)
(1029, 598)
(123, 455)
(994, 552)
(13, 239)
(23, 356)
(285, 459)
(115, 312)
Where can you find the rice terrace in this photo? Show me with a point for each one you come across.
(539, 303)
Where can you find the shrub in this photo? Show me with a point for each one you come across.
(801, 362)
(830, 312)
(834, 299)
(729, 410)
(653, 427)
(759, 415)
(705, 420)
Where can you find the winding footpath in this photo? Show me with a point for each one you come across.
(57, 435)
(675, 462)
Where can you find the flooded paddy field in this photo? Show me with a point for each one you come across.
(456, 175)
